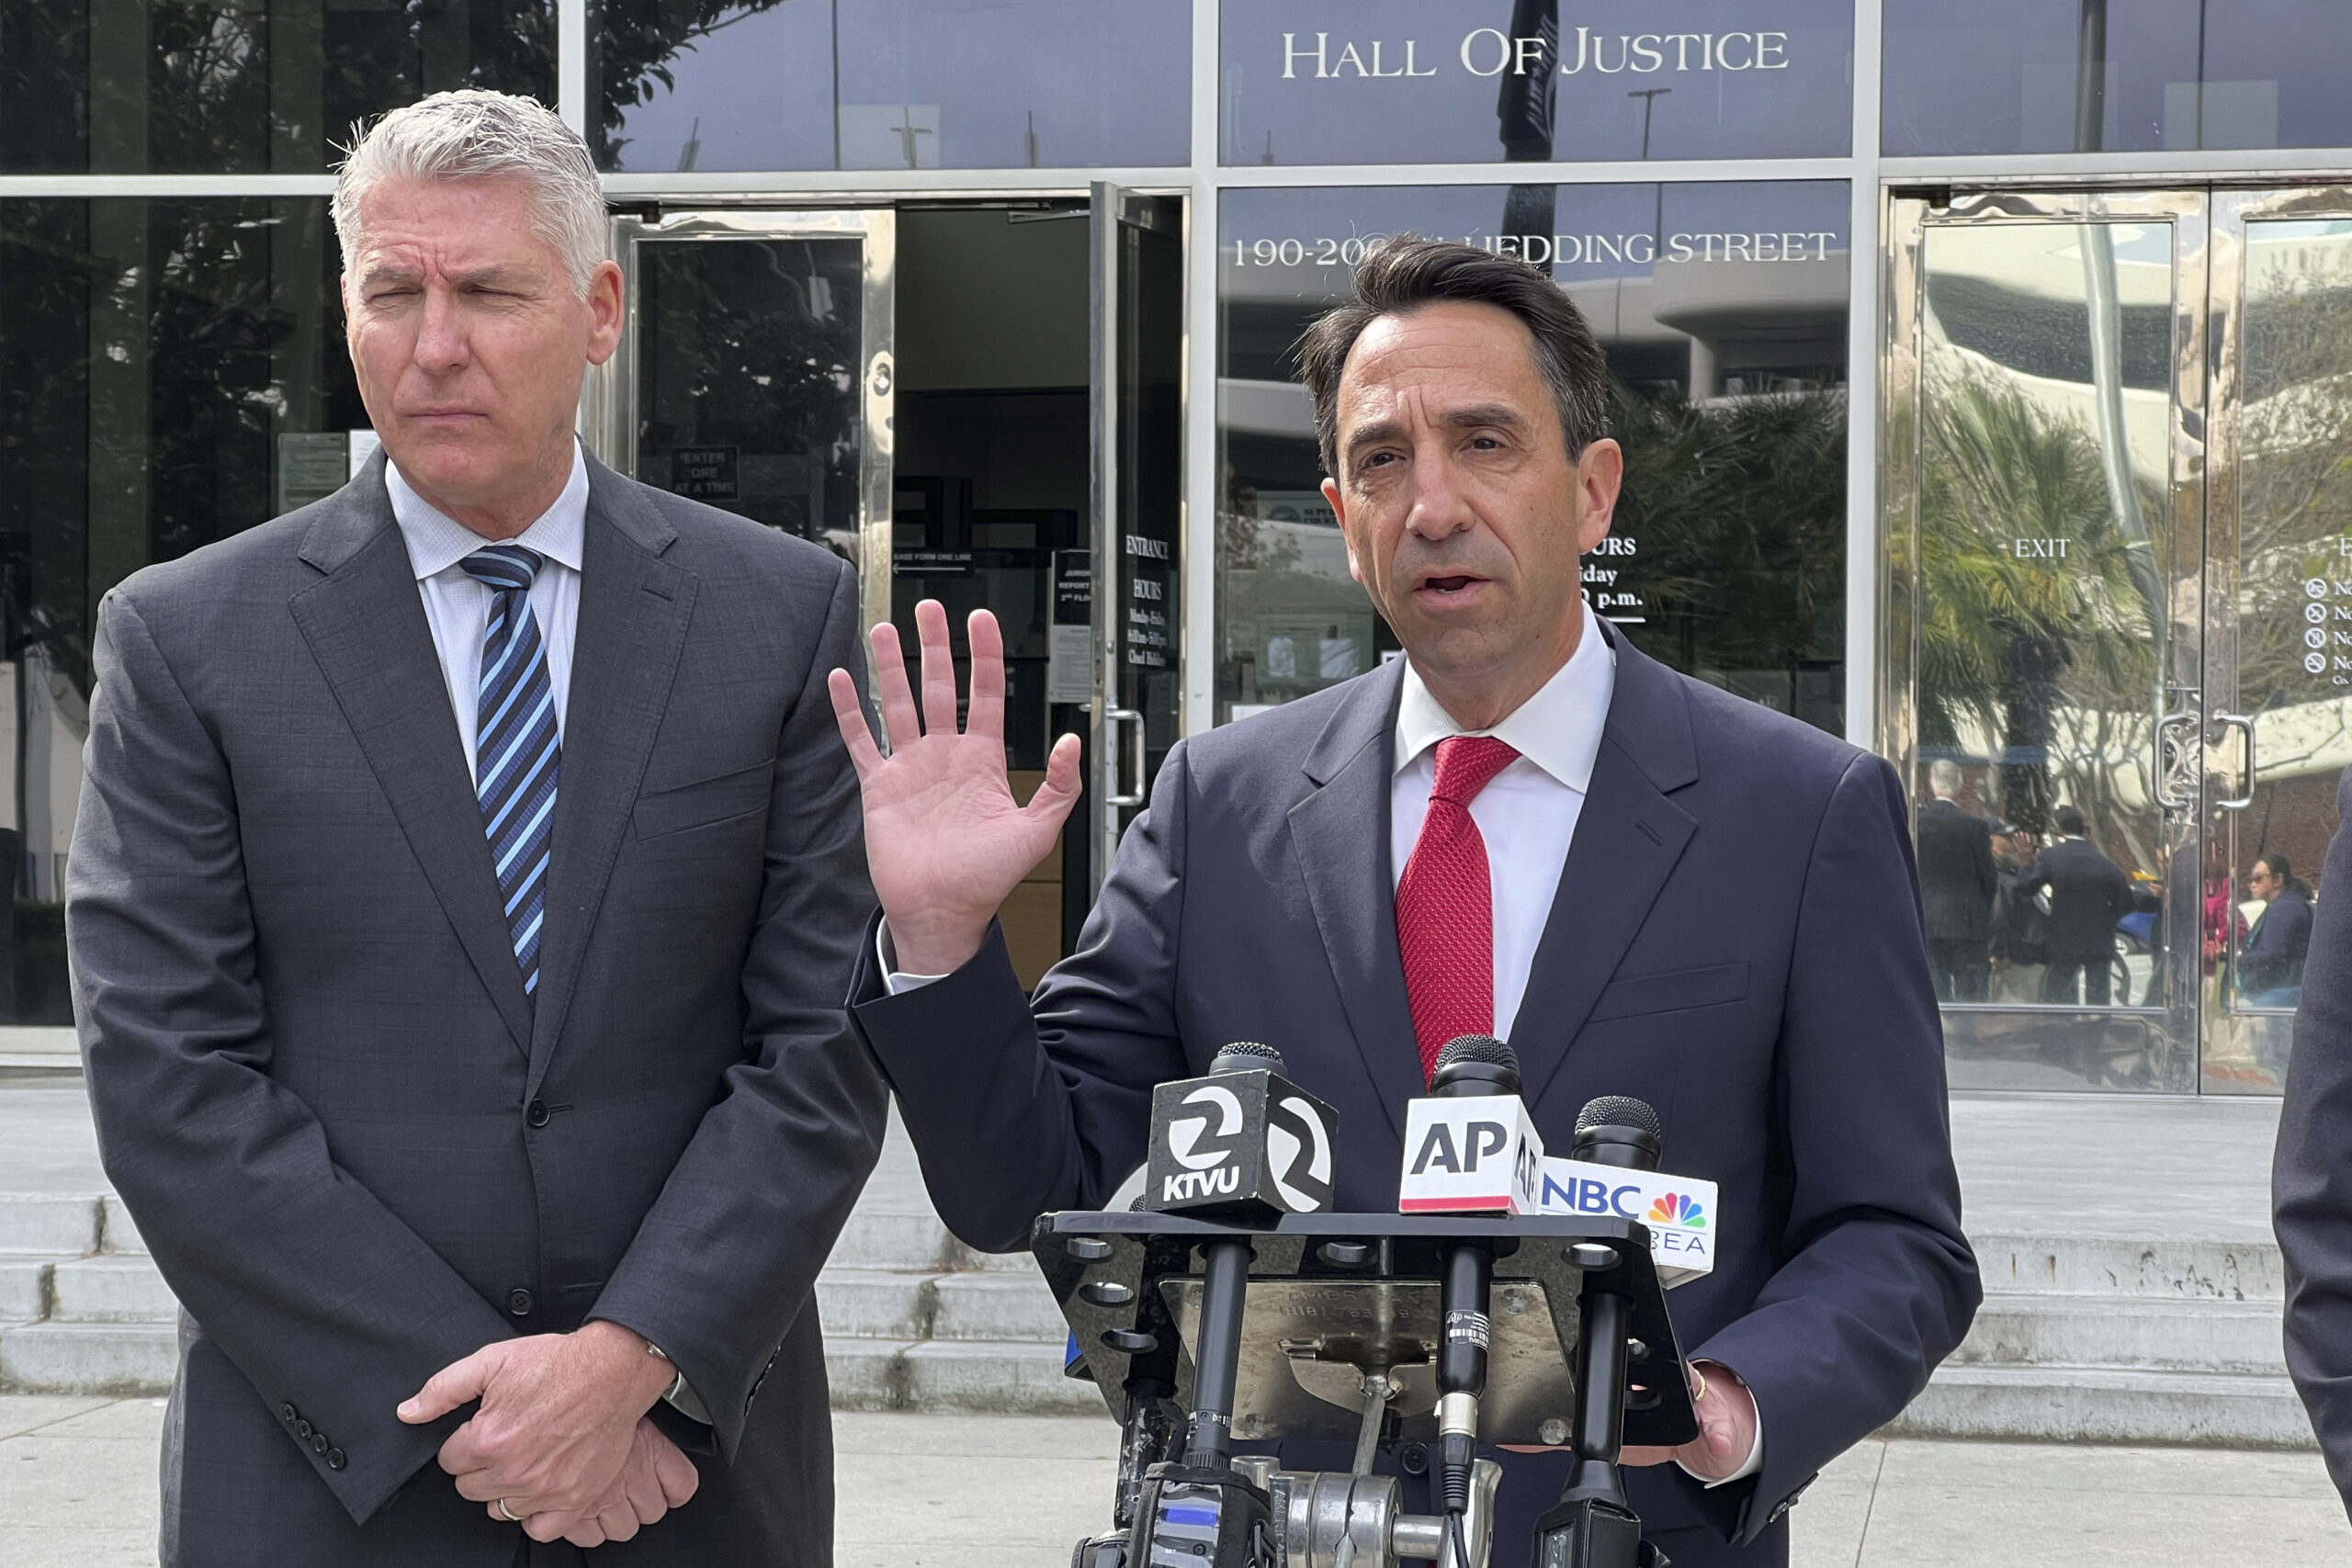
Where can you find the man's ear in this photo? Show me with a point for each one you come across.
(1600, 473)
(1340, 512)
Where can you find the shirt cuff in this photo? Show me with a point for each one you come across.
(1755, 1460)
(683, 1399)
(897, 982)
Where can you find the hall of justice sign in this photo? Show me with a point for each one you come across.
(1490, 51)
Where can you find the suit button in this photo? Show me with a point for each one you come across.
(536, 1114)
(288, 1415)
(318, 1442)
(334, 1458)
(302, 1430)
(519, 1302)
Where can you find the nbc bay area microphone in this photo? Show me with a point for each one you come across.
(1470, 1148)
(1593, 1526)
(1245, 1144)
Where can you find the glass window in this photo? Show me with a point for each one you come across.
(1490, 80)
(2115, 76)
(1723, 310)
(891, 85)
(241, 87)
(171, 372)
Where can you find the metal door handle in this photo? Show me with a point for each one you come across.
(1135, 792)
(2165, 726)
(2245, 722)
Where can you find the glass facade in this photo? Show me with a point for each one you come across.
(241, 87)
(171, 372)
(905, 84)
(1722, 307)
(2115, 76)
(2066, 539)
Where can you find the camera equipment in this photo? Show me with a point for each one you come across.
(1332, 1328)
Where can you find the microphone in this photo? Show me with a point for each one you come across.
(1469, 1145)
(1617, 1130)
(1247, 1145)
(1244, 1143)
(1474, 1072)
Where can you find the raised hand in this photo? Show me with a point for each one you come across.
(945, 841)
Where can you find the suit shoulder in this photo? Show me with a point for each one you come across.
(1279, 739)
(228, 579)
(1746, 738)
(726, 540)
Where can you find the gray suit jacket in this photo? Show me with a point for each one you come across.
(357, 1149)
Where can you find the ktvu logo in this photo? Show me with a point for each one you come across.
(1298, 1153)
(1201, 1176)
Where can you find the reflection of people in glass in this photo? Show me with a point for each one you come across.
(1957, 882)
(2271, 965)
(2020, 936)
(2089, 893)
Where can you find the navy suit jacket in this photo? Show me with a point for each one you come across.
(1736, 939)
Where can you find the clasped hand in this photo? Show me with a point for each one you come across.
(561, 1437)
(945, 841)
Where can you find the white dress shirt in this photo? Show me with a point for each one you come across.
(457, 607)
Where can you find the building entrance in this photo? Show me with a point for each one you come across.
(974, 403)
(2119, 501)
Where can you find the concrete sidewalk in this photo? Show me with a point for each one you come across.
(77, 1490)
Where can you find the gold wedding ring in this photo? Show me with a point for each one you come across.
(511, 1515)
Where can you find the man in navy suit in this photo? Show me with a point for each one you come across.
(1649, 887)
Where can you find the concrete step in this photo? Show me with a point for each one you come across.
(23, 1287)
(121, 1359)
(2240, 1338)
(976, 1376)
(997, 1306)
(58, 1224)
(2106, 1405)
(2168, 1268)
(126, 1288)
(873, 1303)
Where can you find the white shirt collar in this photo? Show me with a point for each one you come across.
(1558, 728)
(437, 542)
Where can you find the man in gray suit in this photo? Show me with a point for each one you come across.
(460, 908)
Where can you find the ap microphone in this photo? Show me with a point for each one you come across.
(1471, 1068)
(1469, 1146)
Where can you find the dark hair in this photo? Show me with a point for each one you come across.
(1405, 272)
(2069, 820)
(2288, 881)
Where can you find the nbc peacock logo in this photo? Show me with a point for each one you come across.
(1674, 1209)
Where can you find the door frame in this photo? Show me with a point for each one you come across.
(2151, 1049)
(608, 408)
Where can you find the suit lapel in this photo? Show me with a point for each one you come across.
(1628, 838)
(366, 626)
(1341, 832)
(634, 608)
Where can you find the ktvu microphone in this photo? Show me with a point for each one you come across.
(1244, 1143)
(1469, 1148)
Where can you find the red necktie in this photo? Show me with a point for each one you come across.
(1445, 905)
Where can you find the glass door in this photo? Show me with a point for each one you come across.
(756, 374)
(2044, 488)
(2278, 608)
(1137, 526)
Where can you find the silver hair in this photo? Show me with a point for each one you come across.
(476, 135)
(1944, 776)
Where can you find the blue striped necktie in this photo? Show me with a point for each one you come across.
(516, 749)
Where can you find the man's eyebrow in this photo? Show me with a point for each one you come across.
(1467, 418)
(492, 276)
